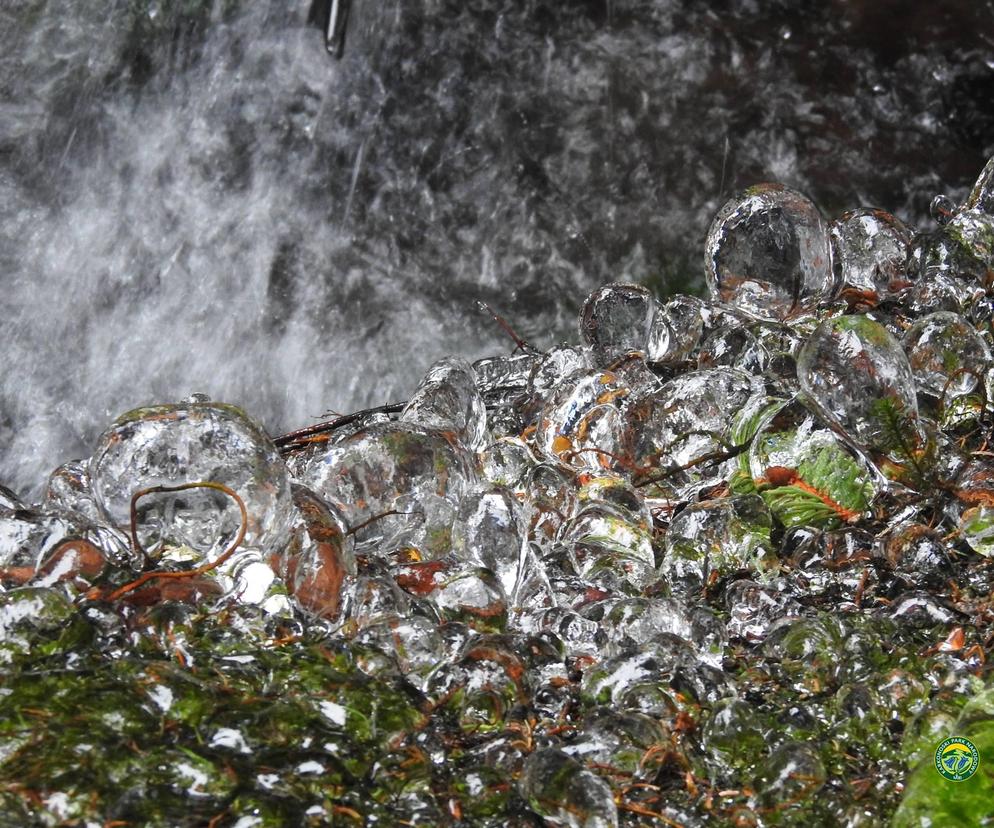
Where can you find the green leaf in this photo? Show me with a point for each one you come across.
(835, 475)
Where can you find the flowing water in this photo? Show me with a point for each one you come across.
(194, 196)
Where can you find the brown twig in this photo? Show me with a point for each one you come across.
(521, 344)
(712, 457)
(374, 518)
(187, 573)
(287, 442)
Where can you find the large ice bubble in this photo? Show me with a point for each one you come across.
(768, 254)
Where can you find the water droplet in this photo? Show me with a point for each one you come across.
(565, 793)
(617, 318)
(870, 248)
(447, 399)
(768, 254)
(859, 377)
(946, 353)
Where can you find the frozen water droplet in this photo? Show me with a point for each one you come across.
(504, 372)
(630, 623)
(617, 318)
(374, 599)
(687, 419)
(27, 613)
(582, 424)
(618, 492)
(447, 399)
(754, 608)
(172, 445)
(507, 461)
(942, 209)
(395, 466)
(918, 555)
(946, 353)
(962, 249)
(676, 329)
(768, 254)
(733, 346)
(319, 556)
(860, 378)
(976, 525)
(565, 793)
(551, 492)
(793, 773)
(69, 489)
(870, 248)
(982, 195)
(715, 538)
(49, 546)
(619, 740)
(557, 364)
(610, 550)
(489, 530)
(473, 596)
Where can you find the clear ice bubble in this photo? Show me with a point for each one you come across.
(617, 318)
(448, 400)
(417, 472)
(486, 680)
(473, 596)
(918, 555)
(609, 548)
(369, 600)
(616, 490)
(319, 556)
(506, 462)
(686, 419)
(27, 612)
(619, 740)
(805, 475)
(870, 249)
(860, 378)
(504, 373)
(982, 195)
(171, 445)
(630, 623)
(734, 734)
(551, 495)
(558, 363)
(942, 209)
(676, 329)
(565, 794)
(753, 608)
(582, 423)
(714, 538)
(793, 773)
(490, 530)
(734, 346)
(768, 253)
(962, 249)
(947, 355)
(976, 526)
(69, 490)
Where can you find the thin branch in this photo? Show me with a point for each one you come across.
(711, 458)
(299, 438)
(187, 573)
(522, 344)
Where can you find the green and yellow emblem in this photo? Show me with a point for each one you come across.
(957, 759)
